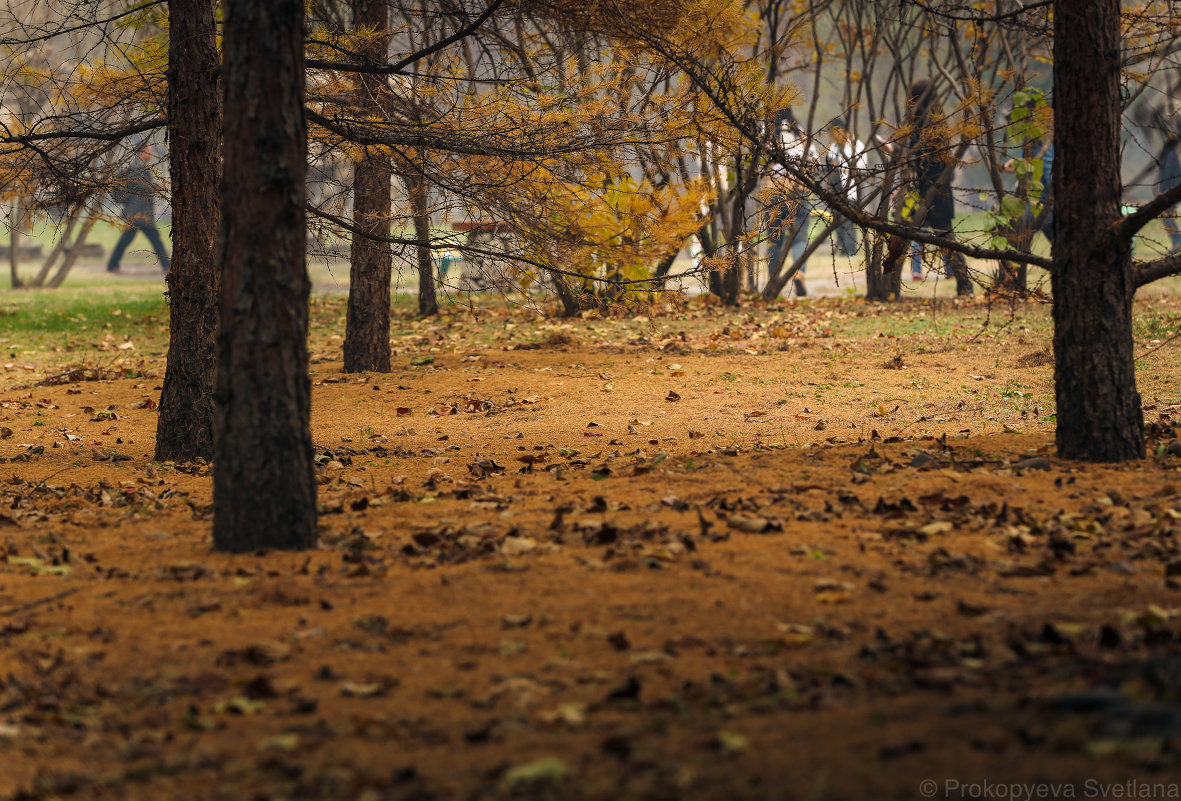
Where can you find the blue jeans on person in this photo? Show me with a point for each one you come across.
(151, 232)
(799, 243)
(847, 238)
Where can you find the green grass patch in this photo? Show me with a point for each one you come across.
(74, 316)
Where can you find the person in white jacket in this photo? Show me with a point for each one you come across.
(848, 168)
(790, 205)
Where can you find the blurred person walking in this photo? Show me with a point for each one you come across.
(848, 164)
(133, 193)
(1169, 164)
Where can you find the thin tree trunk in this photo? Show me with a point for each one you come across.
(882, 283)
(367, 324)
(14, 242)
(75, 253)
(62, 243)
(779, 277)
(1099, 413)
(666, 264)
(717, 283)
(264, 487)
(184, 430)
(873, 268)
(569, 299)
(428, 303)
(885, 283)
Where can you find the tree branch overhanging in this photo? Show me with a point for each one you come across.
(398, 66)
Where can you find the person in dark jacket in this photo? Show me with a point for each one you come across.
(1169, 164)
(134, 196)
(929, 156)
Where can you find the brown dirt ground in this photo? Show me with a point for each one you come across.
(844, 561)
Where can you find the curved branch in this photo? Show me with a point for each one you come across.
(397, 67)
(998, 17)
(1156, 270)
(150, 124)
(1129, 226)
(81, 26)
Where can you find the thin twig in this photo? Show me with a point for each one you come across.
(34, 604)
(1158, 347)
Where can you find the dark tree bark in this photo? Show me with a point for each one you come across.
(264, 488)
(884, 282)
(570, 299)
(428, 302)
(1099, 412)
(883, 268)
(184, 430)
(367, 324)
(732, 282)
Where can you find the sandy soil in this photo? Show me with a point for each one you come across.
(819, 551)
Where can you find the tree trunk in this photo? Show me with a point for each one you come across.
(717, 283)
(14, 242)
(264, 487)
(883, 280)
(367, 325)
(732, 281)
(778, 277)
(665, 266)
(75, 252)
(66, 230)
(1099, 413)
(883, 277)
(428, 303)
(571, 307)
(184, 430)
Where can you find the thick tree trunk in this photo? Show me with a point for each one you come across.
(730, 283)
(1099, 413)
(367, 324)
(428, 302)
(264, 487)
(873, 268)
(184, 430)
